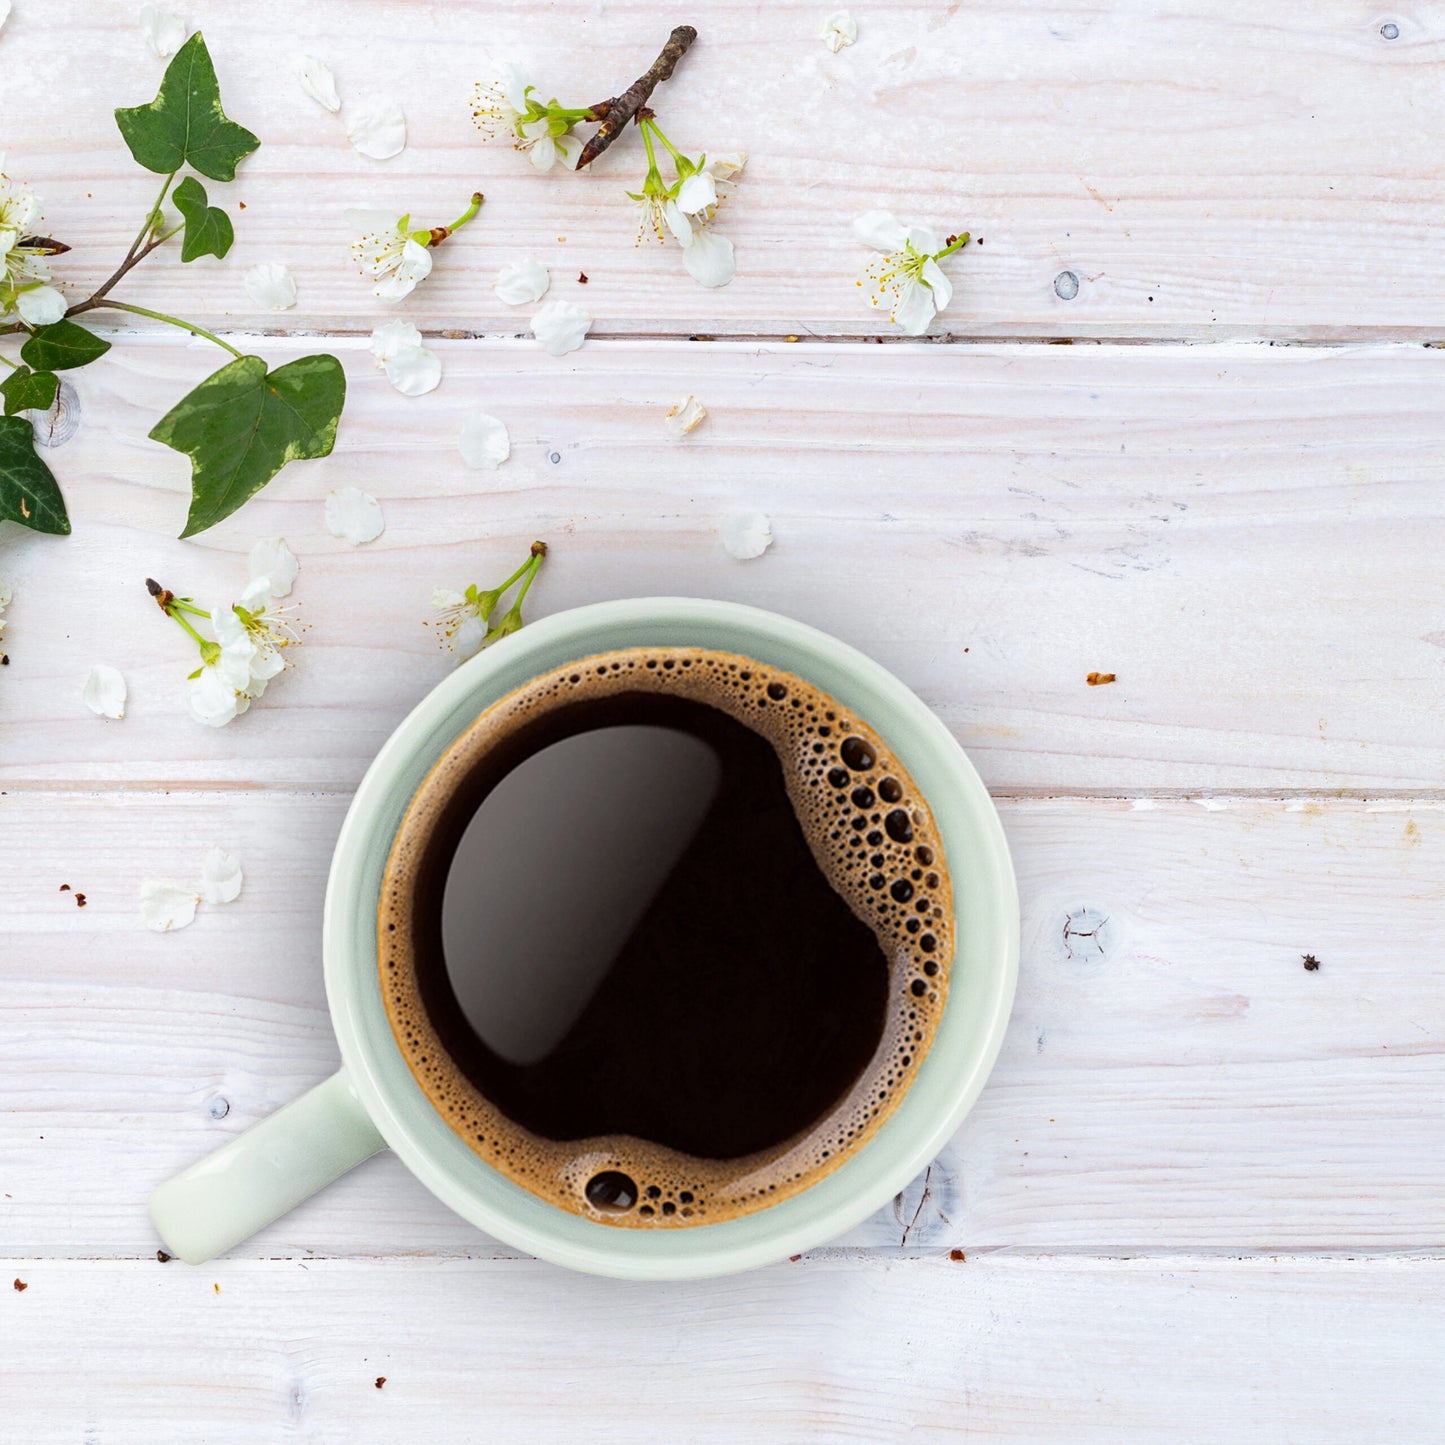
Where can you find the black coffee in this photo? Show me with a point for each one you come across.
(665, 935)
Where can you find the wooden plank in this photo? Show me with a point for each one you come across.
(1249, 537)
(1172, 1077)
(821, 1350)
(1198, 170)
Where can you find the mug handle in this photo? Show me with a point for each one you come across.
(257, 1177)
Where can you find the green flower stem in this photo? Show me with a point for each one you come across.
(171, 321)
(957, 244)
(180, 605)
(531, 567)
(530, 562)
(13, 365)
(647, 128)
(672, 150)
(175, 615)
(471, 210)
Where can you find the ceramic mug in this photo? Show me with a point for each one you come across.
(373, 1103)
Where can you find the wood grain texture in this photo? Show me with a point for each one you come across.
(1201, 170)
(1249, 537)
(1023, 1350)
(1172, 1076)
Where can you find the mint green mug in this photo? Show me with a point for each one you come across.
(373, 1103)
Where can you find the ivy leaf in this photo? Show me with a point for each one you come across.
(242, 425)
(26, 390)
(208, 228)
(28, 493)
(184, 124)
(62, 346)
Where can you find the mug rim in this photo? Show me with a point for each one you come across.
(951, 1077)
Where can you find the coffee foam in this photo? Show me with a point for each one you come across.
(873, 836)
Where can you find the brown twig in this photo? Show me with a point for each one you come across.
(616, 112)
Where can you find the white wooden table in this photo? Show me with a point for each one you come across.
(1201, 1197)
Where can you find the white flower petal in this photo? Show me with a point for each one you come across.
(467, 640)
(220, 876)
(104, 691)
(166, 905)
(839, 29)
(697, 193)
(561, 327)
(369, 221)
(568, 149)
(684, 416)
(42, 306)
(913, 309)
(314, 76)
(726, 164)
(272, 558)
(164, 32)
(443, 598)
(270, 286)
(923, 239)
(515, 86)
(746, 535)
(879, 229)
(392, 339)
(938, 283)
(353, 515)
(519, 282)
(677, 222)
(542, 152)
(414, 371)
(484, 442)
(709, 260)
(377, 128)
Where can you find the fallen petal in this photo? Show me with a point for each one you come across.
(839, 29)
(220, 876)
(684, 416)
(709, 259)
(561, 327)
(165, 905)
(270, 286)
(390, 339)
(484, 442)
(377, 128)
(353, 515)
(519, 282)
(104, 691)
(164, 32)
(746, 535)
(414, 371)
(272, 558)
(315, 78)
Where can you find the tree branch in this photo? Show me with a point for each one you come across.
(615, 113)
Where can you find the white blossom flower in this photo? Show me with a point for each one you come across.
(484, 442)
(684, 416)
(220, 876)
(561, 327)
(377, 129)
(255, 619)
(164, 32)
(388, 253)
(166, 905)
(746, 535)
(698, 193)
(519, 282)
(409, 366)
(708, 258)
(461, 628)
(23, 269)
(905, 276)
(314, 77)
(839, 29)
(269, 285)
(272, 558)
(501, 105)
(104, 692)
(353, 515)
